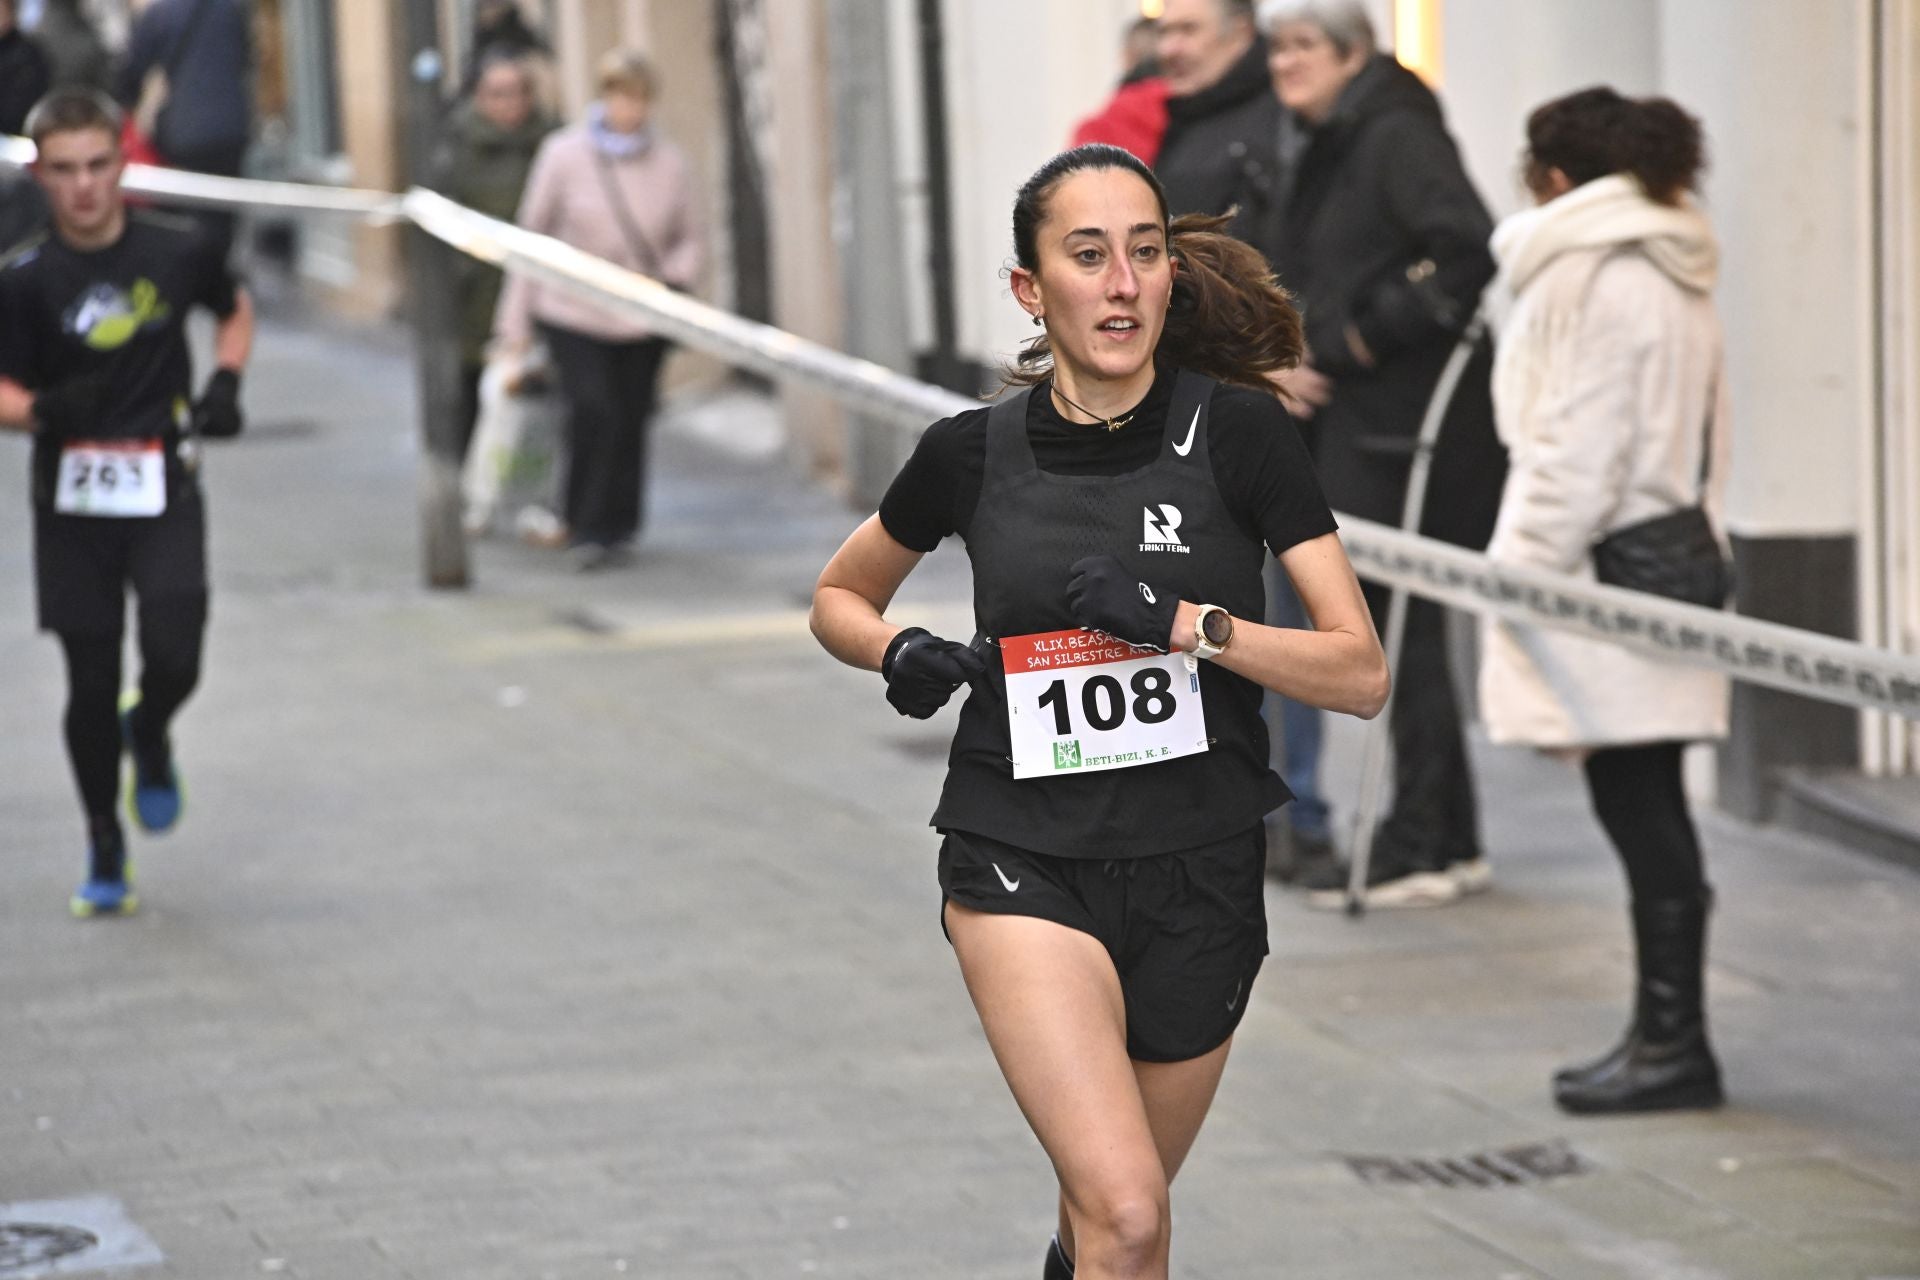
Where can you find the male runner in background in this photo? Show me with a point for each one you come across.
(94, 364)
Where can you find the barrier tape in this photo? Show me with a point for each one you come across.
(1763, 653)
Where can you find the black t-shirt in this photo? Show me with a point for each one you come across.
(1260, 465)
(122, 310)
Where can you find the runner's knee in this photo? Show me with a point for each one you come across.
(1126, 1224)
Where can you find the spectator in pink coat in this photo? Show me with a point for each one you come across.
(613, 187)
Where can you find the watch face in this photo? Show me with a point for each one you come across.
(1218, 627)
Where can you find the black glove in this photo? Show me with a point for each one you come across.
(216, 414)
(922, 671)
(73, 407)
(1105, 597)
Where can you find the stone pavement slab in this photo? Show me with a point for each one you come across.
(586, 926)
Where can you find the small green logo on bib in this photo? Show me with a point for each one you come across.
(1066, 755)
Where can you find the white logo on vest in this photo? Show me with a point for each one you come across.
(1160, 534)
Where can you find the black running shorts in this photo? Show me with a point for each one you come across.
(1187, 931)
(83, 565)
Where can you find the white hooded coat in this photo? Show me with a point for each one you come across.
(1606, 365)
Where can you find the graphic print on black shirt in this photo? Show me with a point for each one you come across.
(1260, 464)
(68, 313)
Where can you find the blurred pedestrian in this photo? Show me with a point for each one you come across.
(1215, 156)
(75, 52)
(614, 187)
(1103, 894)
(500, 29)
(1135, 117)
(1611, 396)
(483, 161)
(94, 365)
(195, 57)
(1381, 237)
(25, 76)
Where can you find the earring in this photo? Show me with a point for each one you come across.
(1036, 317)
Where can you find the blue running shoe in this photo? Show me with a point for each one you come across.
(154, 795)
(105, 898)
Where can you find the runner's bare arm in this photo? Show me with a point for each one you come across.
(16, 406)
(854, 591)
(1338, 665)
(233, 336)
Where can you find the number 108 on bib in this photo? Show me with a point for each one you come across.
(1081, 701)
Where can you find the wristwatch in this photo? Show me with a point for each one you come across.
(1212, 631)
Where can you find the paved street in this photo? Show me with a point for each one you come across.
(584, 925)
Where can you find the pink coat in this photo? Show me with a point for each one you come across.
(567, 198)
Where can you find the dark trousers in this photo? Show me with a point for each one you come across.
(221, 161)
(610, 389)
(1435, 819)
(1640, 799)
(171, 631)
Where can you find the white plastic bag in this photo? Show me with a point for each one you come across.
(515, 460)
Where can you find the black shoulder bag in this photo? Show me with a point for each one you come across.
(638, 245)
(1675, 555)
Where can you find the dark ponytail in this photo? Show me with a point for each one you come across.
(1228, 318)
(1596, 132)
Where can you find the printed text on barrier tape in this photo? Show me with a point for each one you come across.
(1759, 652)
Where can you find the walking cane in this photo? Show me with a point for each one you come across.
(1373, 760)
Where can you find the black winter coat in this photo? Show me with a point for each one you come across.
(1381, 230)
(24, 78)
(1218, 150)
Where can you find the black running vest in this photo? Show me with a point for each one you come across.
(1167, 523)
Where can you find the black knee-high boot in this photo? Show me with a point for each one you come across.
(1664, 1062)
(1058, 1268)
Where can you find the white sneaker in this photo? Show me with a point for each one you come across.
(1415, 889)
(1474, 875)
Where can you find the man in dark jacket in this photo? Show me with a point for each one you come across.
(1383, 240)
(206, 49)
(1221, 115)
(24, 76)
(483, 162)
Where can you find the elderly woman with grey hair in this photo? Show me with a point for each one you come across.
(1380, 236)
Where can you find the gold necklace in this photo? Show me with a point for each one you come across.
(1113, 424)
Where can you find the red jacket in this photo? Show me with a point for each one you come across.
(1135, 117)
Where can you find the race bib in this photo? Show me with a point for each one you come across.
(111, 478)
(1081, 701)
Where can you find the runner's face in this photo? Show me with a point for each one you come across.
(1104, 278)
(80, 171)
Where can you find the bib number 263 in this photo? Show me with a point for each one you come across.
(1080, 701)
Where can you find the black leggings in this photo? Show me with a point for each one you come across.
(170, 639)
(1639, 798)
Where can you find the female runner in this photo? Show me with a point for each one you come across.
(1103, 807)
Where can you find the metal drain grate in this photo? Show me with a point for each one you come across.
(25, 1245)
(1534, 1163)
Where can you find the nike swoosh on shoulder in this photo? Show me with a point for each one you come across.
(1186, 446)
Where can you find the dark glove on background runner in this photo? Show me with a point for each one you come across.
(216, 414)
(922, 671)
(1105, 597)
(71, 409)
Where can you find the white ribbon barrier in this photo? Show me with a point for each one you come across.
(1764, 653)
(177, 186)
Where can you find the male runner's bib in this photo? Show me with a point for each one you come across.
(111, 478)
(1120, 752)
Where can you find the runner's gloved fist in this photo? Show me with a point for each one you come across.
(72, 408)
(1105, 597)
(216, 414)
(922, 671)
